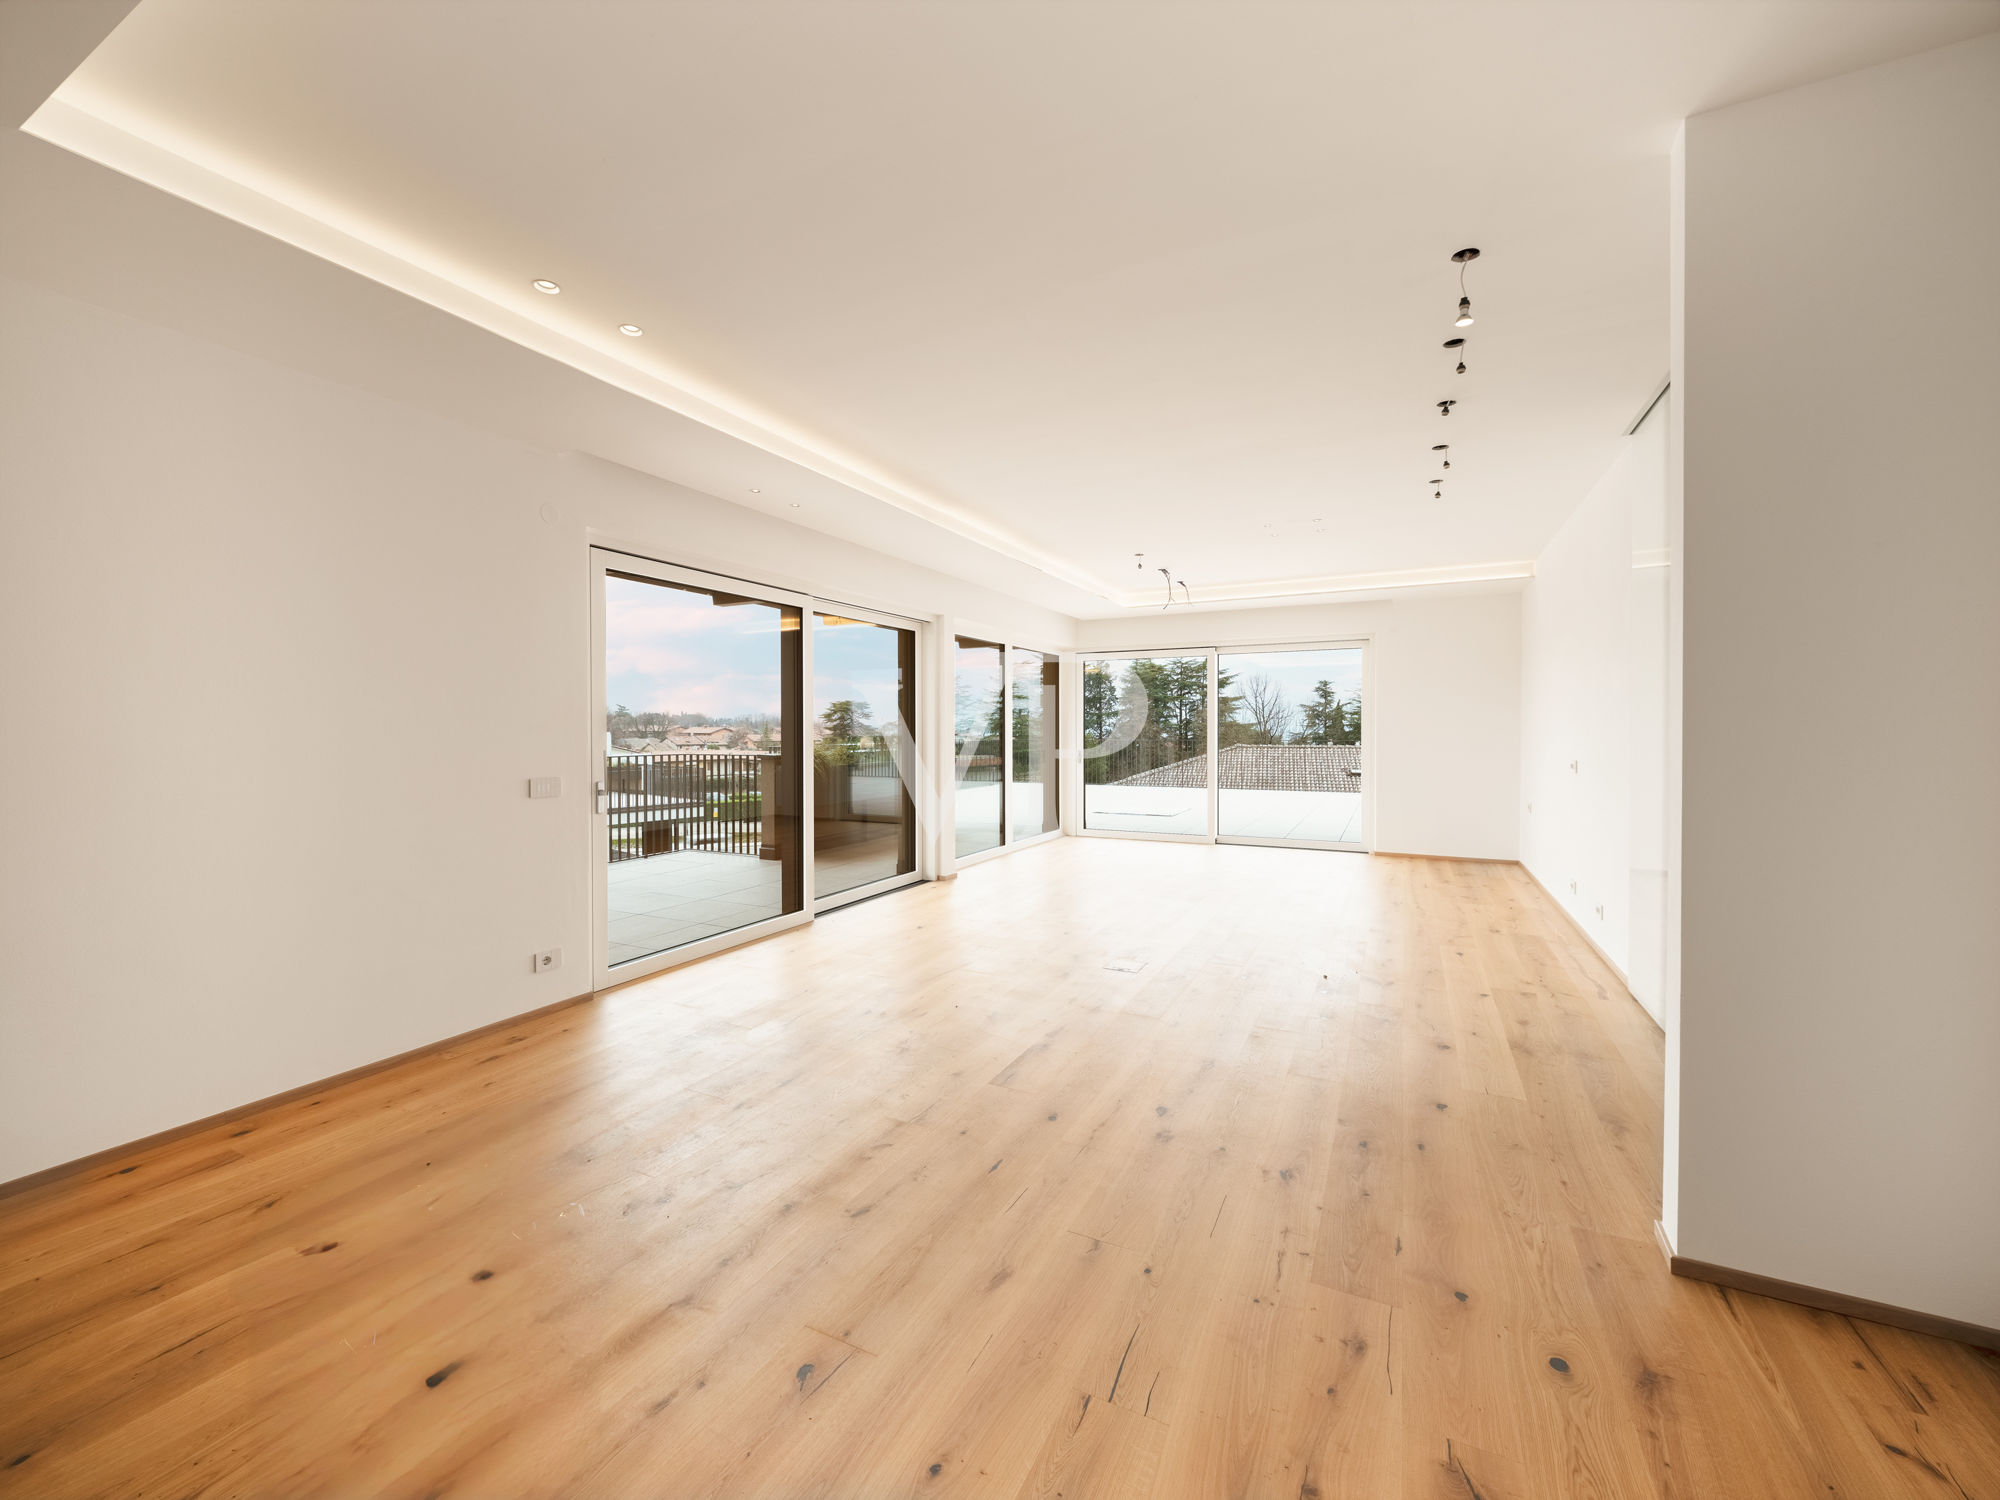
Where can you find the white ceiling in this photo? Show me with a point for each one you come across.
(1070, 280)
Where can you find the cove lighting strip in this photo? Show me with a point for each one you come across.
(103, 130)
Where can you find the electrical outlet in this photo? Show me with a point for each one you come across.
(545, 786)
(547, 959)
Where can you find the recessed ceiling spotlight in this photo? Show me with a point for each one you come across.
(630, 330)
(545, 285)
(795, 505)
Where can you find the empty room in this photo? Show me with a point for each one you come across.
(847, 749)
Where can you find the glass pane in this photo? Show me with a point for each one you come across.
(701, 763)
(1145, 744)
(1031, 777)
(977, 721)
(1288, 745)
(864, 692)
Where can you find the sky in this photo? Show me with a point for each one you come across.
(855, 660)
(1296, 673)
(675, 651)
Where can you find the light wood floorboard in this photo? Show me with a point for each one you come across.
(1347, 1192)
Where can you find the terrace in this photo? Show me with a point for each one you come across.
(693, 853)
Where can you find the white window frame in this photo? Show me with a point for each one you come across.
(911, 771)
(608, 555)
(1369, 734)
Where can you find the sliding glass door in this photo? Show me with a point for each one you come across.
(864, 672)
(979, 733)
(700, 792)
(1033, 792)
(1257, 745)
(1146, 744)
(1288, 762)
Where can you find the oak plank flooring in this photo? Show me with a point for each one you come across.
(1347, 1191)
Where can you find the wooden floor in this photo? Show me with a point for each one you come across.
(1347, 1192)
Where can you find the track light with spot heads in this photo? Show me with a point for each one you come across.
(1464, 257)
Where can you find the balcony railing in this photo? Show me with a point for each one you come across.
(661, 803)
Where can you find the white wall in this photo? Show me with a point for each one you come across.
(279, 657)
(1445, 717)
(1839, 1116)
(1593, 696)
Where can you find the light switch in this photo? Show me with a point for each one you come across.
(545, 786)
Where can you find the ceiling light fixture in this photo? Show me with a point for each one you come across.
(1458, 344)
(545, 285)
(1444, 407)
(630, 330)
(1463, 257)
(755, 491)
(1442, 448)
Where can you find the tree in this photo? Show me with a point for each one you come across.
(1328, 719)
(1269, 715)
(846, 719)
(1100, 703)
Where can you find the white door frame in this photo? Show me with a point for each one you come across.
(909, 766)
(603, 973)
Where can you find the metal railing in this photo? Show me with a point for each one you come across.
(659, 804)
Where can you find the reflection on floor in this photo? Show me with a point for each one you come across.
(1314, 817)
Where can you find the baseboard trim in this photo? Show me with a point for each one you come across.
(1463, 859)
(194, 1127)
(1836, 1302)
(1581, 931)
(1666, 1245)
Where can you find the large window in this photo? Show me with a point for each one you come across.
(1032, 790)
(1288, 763)
(1260, 745)
(1145, 744)
(979, 732)
(701, 784)
(864, 707)
(1005, 732)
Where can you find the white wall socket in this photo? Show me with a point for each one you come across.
(548, 958)
(545, 786)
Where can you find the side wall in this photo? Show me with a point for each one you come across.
(280, 657)
(1593, 698)
(1839, 1119)
(1446, 714)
